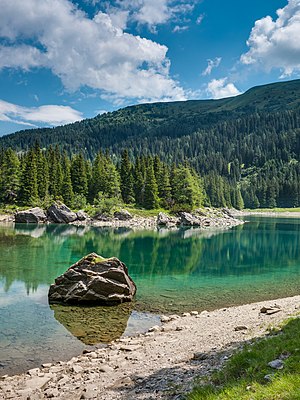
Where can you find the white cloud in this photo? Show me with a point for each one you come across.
(81, 51)
(211, 64)
(179, 29)
(200, 19)
(157, 12)
(50, 114)
(219, 88)
(276, 43)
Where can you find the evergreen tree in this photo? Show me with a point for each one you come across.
(9, 176)
(79, 176)
(67, 189)
(187, 190)
(126, 179)
(28, 181)
(151, 199)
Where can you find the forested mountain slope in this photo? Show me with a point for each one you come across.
(252, 139)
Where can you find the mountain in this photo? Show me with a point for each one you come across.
(251, 141)
(131, 126)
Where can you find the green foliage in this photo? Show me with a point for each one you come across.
(9, 176)
(105, 205)
(126, 179)
(151, 199)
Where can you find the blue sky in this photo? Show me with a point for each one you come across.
(63, 60)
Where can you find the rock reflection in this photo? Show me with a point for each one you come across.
(92, 325)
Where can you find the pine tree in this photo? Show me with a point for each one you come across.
(126, 179)
(187, 190)
(151, 199)
(9, 176)
(139, 181)
(28, 181)
(67, 189)
(79, 176)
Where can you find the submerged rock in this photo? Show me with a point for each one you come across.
(31, 216)
(61, 214)
(93, 279)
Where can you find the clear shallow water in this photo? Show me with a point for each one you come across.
(174, 271)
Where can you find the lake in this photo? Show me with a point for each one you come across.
(175, 271)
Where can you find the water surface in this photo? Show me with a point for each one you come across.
(174, 271)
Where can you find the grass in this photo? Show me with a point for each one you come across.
(243, 376)
(142, 212)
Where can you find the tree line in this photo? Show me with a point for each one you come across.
(39, 176)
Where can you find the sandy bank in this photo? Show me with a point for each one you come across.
(157, 365)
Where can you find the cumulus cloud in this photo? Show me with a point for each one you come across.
(219, 88)
(276, 43)
(156, 12)
(211, 64)
(50, 114)
(81, 51)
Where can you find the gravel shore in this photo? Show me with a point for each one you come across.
(160, 364)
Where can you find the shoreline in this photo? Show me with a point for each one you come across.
(160, 364)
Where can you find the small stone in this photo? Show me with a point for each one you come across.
(47, 365)
(50, 393)
(200, 356)
(77, 369)
(268, 377)
(106, 369)
(174, 316)
(164, 318)
(270, 310)
(186, 314)
(240, 328)
(55, 369)
(276, 364)
(154, 328)
(37, 382)
(33, 371)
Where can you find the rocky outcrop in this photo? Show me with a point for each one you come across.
(93, 279)
(123, 215)
(81, 215)
(31, 216)
(61, 214)
(165, 220)
(188, 219)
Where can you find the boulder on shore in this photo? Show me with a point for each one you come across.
(188, 219)
(61, 214)
(81, 215)
(31, 216)
(93, 279)
(165, 220)
(123, 215)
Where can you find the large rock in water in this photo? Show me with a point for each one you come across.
(61, 214)
(31, 216)
(93, 279)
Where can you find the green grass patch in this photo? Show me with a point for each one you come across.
(243, 377)
(142, 212)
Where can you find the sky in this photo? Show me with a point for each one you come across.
(65, 60)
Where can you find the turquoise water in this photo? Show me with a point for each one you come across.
(174, 271)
